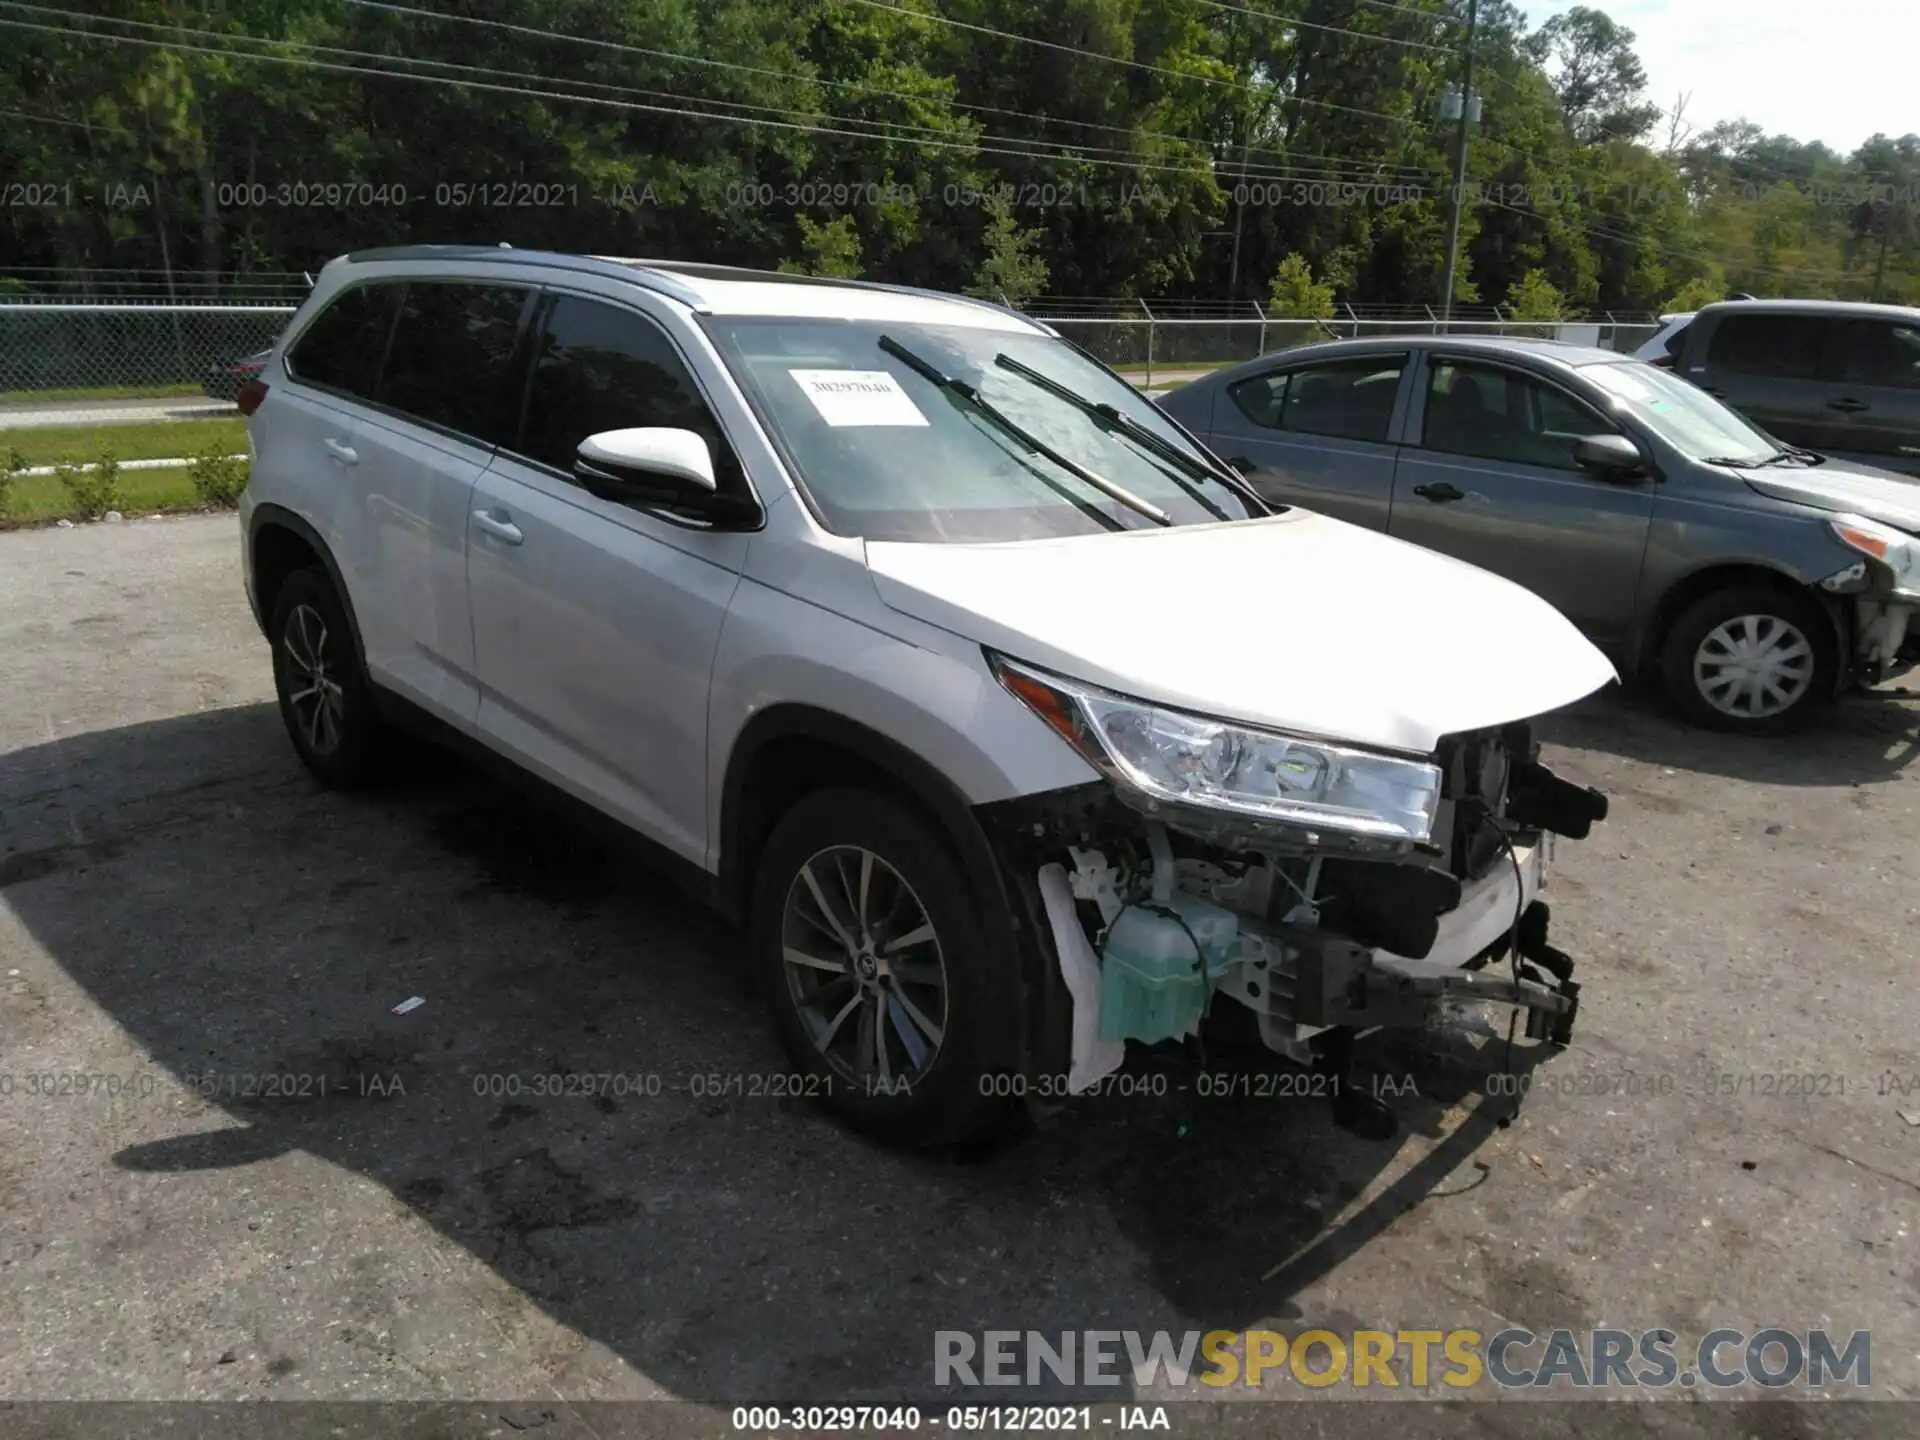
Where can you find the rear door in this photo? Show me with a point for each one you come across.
(1876, 401)
(1316, 435)
(1490, 478)
(595, 623)
(307, 434)
(1774, 369)
(444, 399)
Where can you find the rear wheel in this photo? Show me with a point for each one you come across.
(882, 989)
(1750, 659)
(324, 698)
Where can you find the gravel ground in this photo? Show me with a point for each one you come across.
(178, 900)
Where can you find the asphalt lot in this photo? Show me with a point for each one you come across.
(178, 899)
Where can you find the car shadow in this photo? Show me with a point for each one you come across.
(725, 1239)
(1867, 737)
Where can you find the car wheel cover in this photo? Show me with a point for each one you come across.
(1754, 667)
(314, 695)
(864, 967)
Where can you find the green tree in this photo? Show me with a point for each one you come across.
(1533, 297)
(832, 249)
(1010, 270)
(1701, 290)
(1295, 295)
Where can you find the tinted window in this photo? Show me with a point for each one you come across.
(451, 360)
(1261, 399)
(342, 348)
(1880, 354)
(1497, 414)
(603, 368)
(1787, 347)
(1676, 343)
(1349, 398)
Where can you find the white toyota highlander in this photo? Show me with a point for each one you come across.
(1011, 725)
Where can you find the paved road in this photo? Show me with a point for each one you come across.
(42, 414)
(179, 900)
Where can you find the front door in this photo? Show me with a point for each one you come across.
(1491, 479)
(595, 624)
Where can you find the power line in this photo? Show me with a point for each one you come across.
(1297, 23)
(1130, 64)
(1136, 164)
(1355, 164)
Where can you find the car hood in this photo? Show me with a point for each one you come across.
(1841, 485)
(1293, 622)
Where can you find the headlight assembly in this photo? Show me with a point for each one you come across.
(1172, 757)
(1898, 552)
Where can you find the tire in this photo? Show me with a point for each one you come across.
(335, 729)
(944, 1093)
(1750, 659)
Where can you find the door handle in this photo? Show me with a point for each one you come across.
(1440, 493)
(495, 523)
(341, 451)
(1241, 463)
(1847, 405)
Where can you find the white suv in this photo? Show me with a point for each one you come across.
(1009, 721)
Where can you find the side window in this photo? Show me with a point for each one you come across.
(1882, 354)
(1261, 399)
(451, 360)
(341, 349)
(1352, 399)
(1675, 345)
(599, 367)
(1497, 414)
(1784, 347)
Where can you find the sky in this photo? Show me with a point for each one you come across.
(1829, 70)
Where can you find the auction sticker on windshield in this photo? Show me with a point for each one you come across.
(858, 397)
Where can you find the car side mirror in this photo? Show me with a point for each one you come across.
(1611, 457)
(648, 466)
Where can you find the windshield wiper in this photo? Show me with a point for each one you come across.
(1172, 461)
(1732, 462)
(988, 411)
(1796, 454)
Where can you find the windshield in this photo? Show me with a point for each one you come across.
(888, 453)
(1683, 415)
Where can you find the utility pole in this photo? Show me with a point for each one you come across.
(1460, 162)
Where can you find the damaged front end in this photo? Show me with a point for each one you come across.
(1328, 890)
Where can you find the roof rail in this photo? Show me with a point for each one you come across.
(638, 272)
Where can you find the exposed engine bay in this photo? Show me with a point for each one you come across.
(1158, 913)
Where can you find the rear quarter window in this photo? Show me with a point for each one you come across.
(342, 349)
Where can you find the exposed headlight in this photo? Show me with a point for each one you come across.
(1181, 759)
(1897, 551)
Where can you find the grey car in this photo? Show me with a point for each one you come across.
(1832, 375)
(1753, 578)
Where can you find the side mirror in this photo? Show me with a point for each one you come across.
(1611, 457)
(648, 466)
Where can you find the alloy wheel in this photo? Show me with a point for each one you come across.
(1754, 667)
(315, 696)
(864, 968)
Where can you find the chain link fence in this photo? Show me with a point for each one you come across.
(74, 362)
(64, 362)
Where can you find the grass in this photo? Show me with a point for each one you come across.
(149, 440)
(36, 499)
(98, 392)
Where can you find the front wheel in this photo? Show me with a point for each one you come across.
(1749, 659)
(887, 998)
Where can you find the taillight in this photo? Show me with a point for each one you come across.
(250, 396)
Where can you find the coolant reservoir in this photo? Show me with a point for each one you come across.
(1156, 964)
